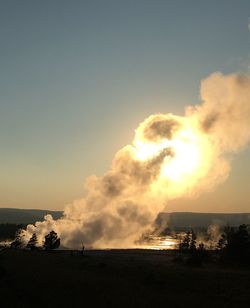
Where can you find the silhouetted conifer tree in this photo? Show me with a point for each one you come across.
(18, 242)
(235, 245)
(51, 241)
(185, 242)
(32, 244)
(192, 245)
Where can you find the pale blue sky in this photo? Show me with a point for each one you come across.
(76, 78)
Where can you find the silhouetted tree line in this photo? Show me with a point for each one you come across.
(51, 241)
(233, 247)
(194, 254)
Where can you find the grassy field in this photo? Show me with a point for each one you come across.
(116, 278)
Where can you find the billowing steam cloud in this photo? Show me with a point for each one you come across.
(170, 157)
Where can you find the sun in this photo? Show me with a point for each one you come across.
(183, 162)
(186, 156)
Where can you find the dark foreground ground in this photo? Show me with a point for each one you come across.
(118, 278)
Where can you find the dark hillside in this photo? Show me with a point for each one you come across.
(23, 216)
(187, 220)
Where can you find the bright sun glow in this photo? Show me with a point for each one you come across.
(183, 162)
(185, 159)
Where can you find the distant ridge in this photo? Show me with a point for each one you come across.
(25, 216)
(185, 220)
(175, 220)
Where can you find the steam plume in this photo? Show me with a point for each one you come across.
(170, 157)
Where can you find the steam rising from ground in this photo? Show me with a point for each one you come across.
(170, 157)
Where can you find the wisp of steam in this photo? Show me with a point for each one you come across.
(170, 157)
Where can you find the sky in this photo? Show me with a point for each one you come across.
(77, 77)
